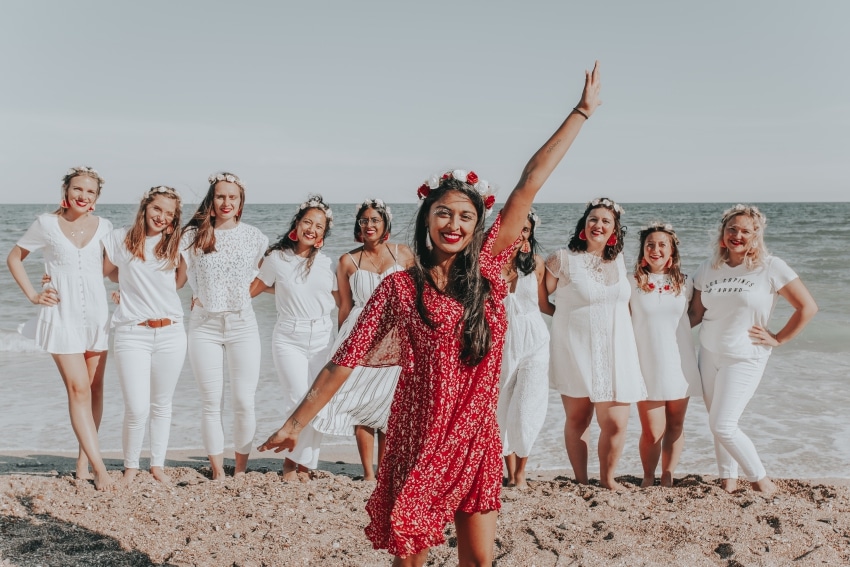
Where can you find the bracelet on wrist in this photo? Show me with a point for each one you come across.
(576, 109)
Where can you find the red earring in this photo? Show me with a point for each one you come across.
(358, 237)
(526, 247)
(643, 262)
(722, 244)
(386, 236)
(169, 230)
(582, 235)
(65, 204)
(239, 214)
(91, 209)
(613, 240)
(293, 236)
(319, 243)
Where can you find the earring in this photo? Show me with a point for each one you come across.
(358, 237)
(65, 204)
(582, 235)
(613, 240)
(319, 243)
(293, 236)
(722, 245)
(526, 247)
(669, 263)
(386, 236)
(91, 209)
(428, 243)
(169, 230)
(239, 214)
(643, 262)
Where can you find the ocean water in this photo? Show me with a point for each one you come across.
(799, 418)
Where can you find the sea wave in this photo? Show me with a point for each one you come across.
(13, 341)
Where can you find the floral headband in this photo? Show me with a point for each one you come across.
(163, 190)
(83, 170)
(374, 204)
(533, 217)
(656, 226)
(471, 178)
(316, 202)
(750, 210)
(606, 203)
(229, 177)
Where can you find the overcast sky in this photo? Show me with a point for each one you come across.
(712, 101)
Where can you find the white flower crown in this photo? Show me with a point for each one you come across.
(374, 204)
(487, 192)
(662, 226)
(316, 202)
(83, 170)
(163, 189)
(606, 203)
(532, 214)
(229, 177)
(751, 210)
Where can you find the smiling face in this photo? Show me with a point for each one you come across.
(227, 202)
(310, 228)
(371, 226)
(738, 234)
(81, 194)
(598, 227)
(657, 251)
(451, 223)
(159, 214)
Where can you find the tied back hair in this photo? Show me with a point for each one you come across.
(465, 283)
(674, 272)
(286, 243)
(576, 244)
(203, 220)
(168, 247)
(379, 207)
(524, 261)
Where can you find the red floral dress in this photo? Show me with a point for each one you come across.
(443, 448)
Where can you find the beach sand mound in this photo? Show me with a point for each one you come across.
(257, 520)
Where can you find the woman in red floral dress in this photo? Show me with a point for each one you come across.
(443, 322)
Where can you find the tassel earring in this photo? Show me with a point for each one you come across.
(169, 230)
(293, 236)
(65, 204)
(643, 262)
(526, 247)
(91, 209)
(428, 243)
(319, 243)
(613, 240)
(582, 235)
(386, 236)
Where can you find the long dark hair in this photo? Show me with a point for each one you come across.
(203, 220)
(286, 243)
(576, 244)
(465, 283)
(383, 211)
(524, 261)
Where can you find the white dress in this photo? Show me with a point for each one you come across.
(593, 351)
(665, 344)
(80, 321)
(365, 398)
(524, 386)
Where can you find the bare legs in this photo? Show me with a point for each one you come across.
(662, 436)
(365, 437)
(217, 465)
(613, 418)
(516, 470)
(475, 536)
(83, 379)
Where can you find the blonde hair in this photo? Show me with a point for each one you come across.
(757, 252)
(77, 171)
(168, 248)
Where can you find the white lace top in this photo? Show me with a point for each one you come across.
(220, 280)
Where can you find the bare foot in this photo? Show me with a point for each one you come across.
(159, 475)
(764, 485)
(289, 476)
(241, 464)
(521, 485)
(647, 482)
(613, 485)
(218, 473)
(667, 479)
(127, 479)
(103, 482)
(369, 478)
(82, 472)
(730, 485)
(304, 477)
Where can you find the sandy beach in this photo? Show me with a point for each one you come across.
(48, 518)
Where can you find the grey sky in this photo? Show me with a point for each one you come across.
(710, 101)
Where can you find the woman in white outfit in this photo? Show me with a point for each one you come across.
(305, 290)
(72, 322)
(523, 384)
(659, 305)
(222, 255)
(150, 341)
(363, 402)
(594, 362)
(734, 296)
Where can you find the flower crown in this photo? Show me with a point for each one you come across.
(164, 190)
(533, 217)
(229, 177)
(83, 170)
(738, 209)
(656, 226)
(470, 178)
(606, 203)
(374, 204)
(316, 202)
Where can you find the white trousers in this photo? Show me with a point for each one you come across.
(211, 336)
(728, 385)
(300, 349)
(149, 364)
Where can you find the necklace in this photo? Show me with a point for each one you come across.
(74, 231)
(377, 266)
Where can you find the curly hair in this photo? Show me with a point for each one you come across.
(576, 244)
(674, 272)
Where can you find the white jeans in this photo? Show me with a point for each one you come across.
(728, 385)
(149, 364)
(300, 348)
(211, 335)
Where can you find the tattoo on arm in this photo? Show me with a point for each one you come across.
(552, 146)
(312, 395)
(297, 425)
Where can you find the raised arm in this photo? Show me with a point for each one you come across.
(544, 161)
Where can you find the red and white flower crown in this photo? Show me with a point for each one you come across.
(486, 190)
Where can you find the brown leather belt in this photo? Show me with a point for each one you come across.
(156, 323)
